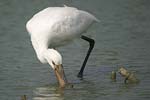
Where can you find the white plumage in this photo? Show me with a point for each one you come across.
(56, 26)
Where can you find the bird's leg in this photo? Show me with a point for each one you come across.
(91, 43)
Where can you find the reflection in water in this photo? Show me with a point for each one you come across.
(53, 92)
(124, 88)
(48, 93)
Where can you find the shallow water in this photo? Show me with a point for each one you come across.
(122, 38)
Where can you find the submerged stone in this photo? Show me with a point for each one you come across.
(113, 75)
(129, 76)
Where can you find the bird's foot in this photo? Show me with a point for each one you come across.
(80, 75)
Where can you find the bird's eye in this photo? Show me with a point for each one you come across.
(53, 63)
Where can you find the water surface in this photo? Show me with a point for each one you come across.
(122, 38)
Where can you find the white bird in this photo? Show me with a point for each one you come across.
(57, 26)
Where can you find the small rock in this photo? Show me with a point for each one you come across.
(23, 97)
(113, 75)
(129, 76)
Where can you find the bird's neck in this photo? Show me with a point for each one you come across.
(41, 53)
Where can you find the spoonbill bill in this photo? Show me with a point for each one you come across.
(58, 26)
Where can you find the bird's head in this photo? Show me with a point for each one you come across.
(54, 58)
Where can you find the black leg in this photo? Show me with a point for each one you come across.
(91, 43)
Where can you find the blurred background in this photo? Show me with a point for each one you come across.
(122, 39)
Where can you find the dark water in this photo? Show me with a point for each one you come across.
(122, 38)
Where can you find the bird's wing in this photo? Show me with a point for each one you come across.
(73, 22)
(59, 23)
